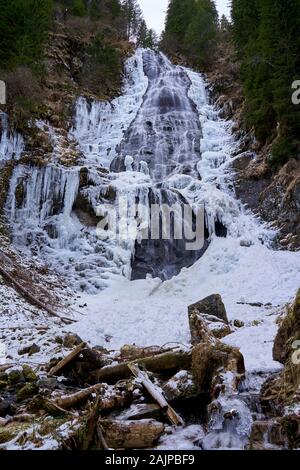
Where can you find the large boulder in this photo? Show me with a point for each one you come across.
(212, 306)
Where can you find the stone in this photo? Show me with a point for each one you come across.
(15, 376)
(59, 340)
(180, 386)
(211, 305)
(29, 374)
(5, 408)
(246, 243)
(238, 324)
(30, 350)
(3, 384)
(71, 340)
(199, 329)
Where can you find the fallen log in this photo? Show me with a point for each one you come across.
(131, 434)
(157, 394)
(70, 357)
(171, 361)
(109, 401)
(131, 352)
(31, 298)
(68, 401)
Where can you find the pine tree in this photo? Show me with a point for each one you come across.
(23, 28)
(266, 34)
(132, 15)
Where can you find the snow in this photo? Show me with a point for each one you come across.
(151, 312)
(148, 312)
(100, 126)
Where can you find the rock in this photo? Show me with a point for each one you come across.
(3, 384)
(59, 340)
(30, 350)
(180, 386)
(203, 323)
(246, 243)
(238, 324)
(29, 390)
(276, 433)
(29, 374)
(71, 340)
(219, 330)
(5, 408)
(211, 305)
(15, 376)
(288, 333)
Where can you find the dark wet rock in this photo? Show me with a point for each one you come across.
(30, 350)
(71, 340)
(29, 374)
(213, 312)
(238, 324)
(276, 433)
(3, 384)
(181, 386)
(5, 408)
(15, 376)
(28, 391)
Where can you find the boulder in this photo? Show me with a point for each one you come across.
(212, 306)
(29, 390)
(29, 374)
(180, 386)
(16, 376)
(30, 350)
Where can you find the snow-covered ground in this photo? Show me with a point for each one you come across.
(149, 312)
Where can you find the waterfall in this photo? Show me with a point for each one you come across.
(159, 143)
(11, 143)
(99, 127)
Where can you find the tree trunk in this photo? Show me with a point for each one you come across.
(131, 434)
(166, 362)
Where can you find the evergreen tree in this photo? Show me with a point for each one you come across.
(201, 35)
(78, 8)
(142, 34)
(23, 28)
(132, 15)
(191, 29)
(266, 34)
